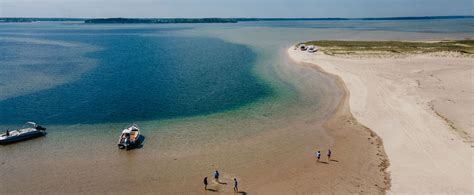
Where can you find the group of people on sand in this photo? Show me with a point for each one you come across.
(236, 188)
(318, 155)
(216, 178)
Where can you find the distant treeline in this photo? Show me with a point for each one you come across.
(387, 18)
(161, 20)
(212, 20)
(38, 19)
(234, 20)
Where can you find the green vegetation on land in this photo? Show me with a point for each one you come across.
(161, 20)
(18, 20)
(393, 47)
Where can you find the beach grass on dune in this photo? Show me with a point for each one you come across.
(333, 47)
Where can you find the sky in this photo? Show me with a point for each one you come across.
(233, 8)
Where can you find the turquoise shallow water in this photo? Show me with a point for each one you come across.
(134, 77)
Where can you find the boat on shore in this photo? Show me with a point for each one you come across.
(130, 138)
(302, 47)
(312, 49)
(29, 131)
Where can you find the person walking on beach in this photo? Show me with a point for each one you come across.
(236, 189)
(205, 183)
(216, 176)
(318, 155)
(329, 154)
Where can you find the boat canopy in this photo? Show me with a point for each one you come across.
(31, 123)
(130, 129)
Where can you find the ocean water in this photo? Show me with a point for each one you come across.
(205, 93)
(133, 77)
(463, 25)
(191, 82)
(72, 73)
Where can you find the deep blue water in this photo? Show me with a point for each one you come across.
(135, 78)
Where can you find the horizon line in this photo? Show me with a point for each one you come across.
(262, 18)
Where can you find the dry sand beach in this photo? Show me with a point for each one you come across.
(421, 105)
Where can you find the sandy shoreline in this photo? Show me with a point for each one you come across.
(420, 106)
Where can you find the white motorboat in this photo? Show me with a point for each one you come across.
(29, 131)
(130, 137)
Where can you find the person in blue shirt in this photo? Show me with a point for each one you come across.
(216, 176)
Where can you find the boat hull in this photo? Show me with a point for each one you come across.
(22, 137)
(136, 144)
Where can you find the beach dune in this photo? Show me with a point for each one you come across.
(421, 105)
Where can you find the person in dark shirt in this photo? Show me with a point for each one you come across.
(216, 176)
(205, 183)
(236, 189)
(329, 154)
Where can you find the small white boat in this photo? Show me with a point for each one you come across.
(303, 47)
(130, 137)
(312, 49)
(29, 131)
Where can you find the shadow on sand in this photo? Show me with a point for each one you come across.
(334, 160)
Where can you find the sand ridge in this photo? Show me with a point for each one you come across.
(404, 101)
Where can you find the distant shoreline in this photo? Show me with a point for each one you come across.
(158, 20)
(214, 20)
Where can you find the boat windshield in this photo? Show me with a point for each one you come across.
(29, 125)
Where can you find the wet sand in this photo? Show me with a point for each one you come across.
(403, 100)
